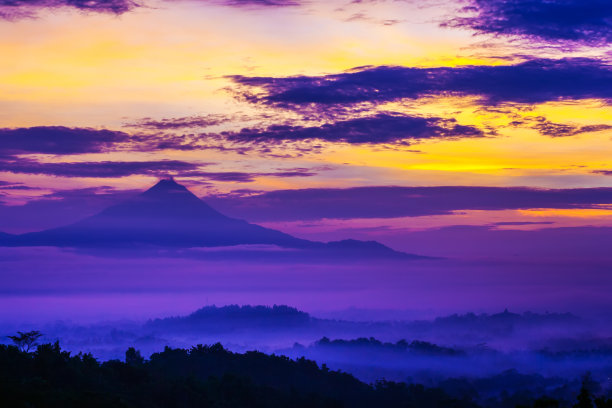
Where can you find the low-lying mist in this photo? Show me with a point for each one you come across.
(476, 327)
(481, 353)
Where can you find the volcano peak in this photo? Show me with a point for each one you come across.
(168, 188)
(169, 215)
(167, 183)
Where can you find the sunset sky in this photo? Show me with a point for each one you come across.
(240, 99)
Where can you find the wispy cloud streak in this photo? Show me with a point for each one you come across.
(391, 202)
(529, 82)
(17, 9)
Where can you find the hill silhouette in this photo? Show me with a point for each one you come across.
(202, 376)
(169, 215)
(232, 317)
(212, 376)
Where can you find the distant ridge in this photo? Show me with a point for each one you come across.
(282, 317)
(168, 215)
(231, 317)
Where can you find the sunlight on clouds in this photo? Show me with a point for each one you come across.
(506, 156)
(603, 213)
(496, 219)
(77, 69)
(70, 61)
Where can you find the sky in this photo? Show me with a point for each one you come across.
(468, 128)
(243, 97)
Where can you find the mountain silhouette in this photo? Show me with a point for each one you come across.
(169, 215)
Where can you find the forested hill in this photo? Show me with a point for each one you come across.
(233, 316)
(208, 376)
(204, 376)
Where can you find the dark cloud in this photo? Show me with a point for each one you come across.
(552, 129)
(10, 185)
(291, 173)
(583, 22)
(380, 128)
(104, 169)
(58, 140)
(19, 9)
(245, 177)
(560, 130)
(390, 202)
(604, 172)
(200, 142)
(110, 169)
(529, 82)
(259, 3)
(518, 223)
(224, 176)
(180, 123)
(16, 9)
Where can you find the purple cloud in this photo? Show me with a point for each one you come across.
(57, 140)
(552, 129)
(16, 9)
(530, 82)
(523, 223)
(159, 168)
(246, 177)
(390, 202)
(180, 123)
(380, 128)
(63, 207)
(10, 185)
(583, 22)
(259, 3)
(105, 169)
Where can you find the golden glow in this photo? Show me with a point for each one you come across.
(570, 212)
(170, 60)
(90, 63)
(510, 219)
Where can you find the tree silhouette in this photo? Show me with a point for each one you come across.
(602, 402)
(544, 402)
(585, 397)
(200, 377)
(25, 341)
(133, 357)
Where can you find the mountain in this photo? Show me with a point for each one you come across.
(168, 215)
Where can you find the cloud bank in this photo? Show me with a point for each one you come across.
(391, 202)
(379, 128)
(103, 169)
(58, 140)
(17, 9)
(529, 82)
(582, 22)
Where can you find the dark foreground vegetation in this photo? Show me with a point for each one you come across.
(206, 376)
